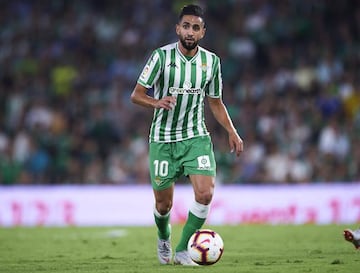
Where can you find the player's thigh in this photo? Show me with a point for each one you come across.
(161, 166)
(203, 186)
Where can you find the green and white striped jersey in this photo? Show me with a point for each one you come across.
(170, 73)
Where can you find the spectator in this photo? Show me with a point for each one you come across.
(290, 73)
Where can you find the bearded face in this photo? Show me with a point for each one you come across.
(188, 42)
(190, 31)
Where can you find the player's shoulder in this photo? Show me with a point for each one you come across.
(160, 51)
(207, 51)
(167, 47)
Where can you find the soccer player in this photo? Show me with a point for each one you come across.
(182, 74)
(353, 236)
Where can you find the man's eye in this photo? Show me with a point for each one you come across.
(186, 26)
(196, 27)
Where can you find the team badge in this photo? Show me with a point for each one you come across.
(204, 162)
(158, 181)
(204, 67)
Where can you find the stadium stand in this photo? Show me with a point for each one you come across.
(291, 72)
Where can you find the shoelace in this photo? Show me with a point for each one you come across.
(164, 247)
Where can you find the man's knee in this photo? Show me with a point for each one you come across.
(163, 207)
(204, 197)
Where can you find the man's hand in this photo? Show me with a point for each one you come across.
(236, 143)
(167, 103)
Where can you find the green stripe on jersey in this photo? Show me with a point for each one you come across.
(171, 74)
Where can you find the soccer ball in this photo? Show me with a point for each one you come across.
(205, 247)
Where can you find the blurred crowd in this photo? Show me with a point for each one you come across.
(291, 72)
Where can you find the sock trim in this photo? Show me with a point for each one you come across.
(158, 215)
(199, 210)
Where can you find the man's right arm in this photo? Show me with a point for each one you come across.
(140, 96)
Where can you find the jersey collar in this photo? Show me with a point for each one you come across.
(182, 55)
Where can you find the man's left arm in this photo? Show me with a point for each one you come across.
(221, 114)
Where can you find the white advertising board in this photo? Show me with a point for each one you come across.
(133, 205)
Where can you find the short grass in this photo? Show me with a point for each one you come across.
(258, 248)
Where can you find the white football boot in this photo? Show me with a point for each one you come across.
(183, 258)
(164, 251)
(353, 236)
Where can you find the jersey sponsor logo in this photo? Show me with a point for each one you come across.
(181, 91)
(186, 89)
(204, 162)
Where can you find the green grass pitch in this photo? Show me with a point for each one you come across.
(248, 248)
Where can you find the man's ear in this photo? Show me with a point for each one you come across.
(177, 29)
(203, 32)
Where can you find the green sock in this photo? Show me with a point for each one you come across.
(192, 224)
(163, 225)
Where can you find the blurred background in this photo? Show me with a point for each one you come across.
(291, 72)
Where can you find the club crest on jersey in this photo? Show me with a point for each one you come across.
(158, 181)
(204, 67)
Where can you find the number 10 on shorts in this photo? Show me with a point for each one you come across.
(161, 168)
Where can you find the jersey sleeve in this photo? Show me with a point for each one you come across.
(151, 70)
(215, 86)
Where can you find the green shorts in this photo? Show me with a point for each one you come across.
(169, 161)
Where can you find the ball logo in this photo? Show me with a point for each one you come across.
(205, 241)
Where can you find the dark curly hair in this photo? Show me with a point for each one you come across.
(191, 10)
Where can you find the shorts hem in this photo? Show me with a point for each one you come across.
(165, 186)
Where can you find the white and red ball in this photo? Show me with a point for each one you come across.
(205, 247)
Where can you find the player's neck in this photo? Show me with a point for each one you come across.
(186, 52)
